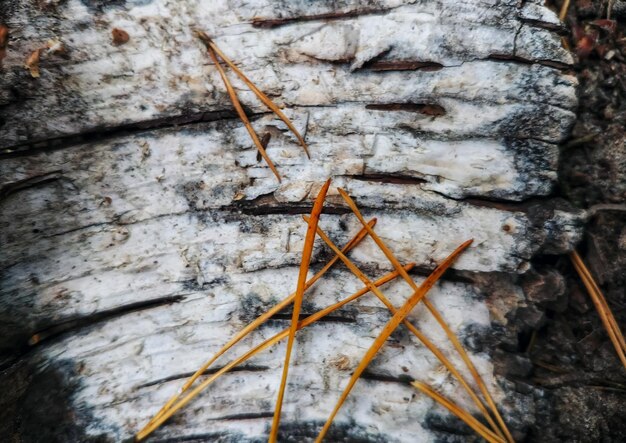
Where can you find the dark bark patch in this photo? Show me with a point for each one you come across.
(45, 411)
(261, 22)
(100, 5)
(431, 109)
(297, 432)
(405, 65)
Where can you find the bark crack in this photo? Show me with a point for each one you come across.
(108, 133)
(75, 324)
(210, 371)
(262, 22)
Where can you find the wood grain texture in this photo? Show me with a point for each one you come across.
(139, 230)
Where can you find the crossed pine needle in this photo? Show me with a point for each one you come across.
(495, 433)
(214, 53)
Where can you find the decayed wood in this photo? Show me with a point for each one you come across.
(140, 231)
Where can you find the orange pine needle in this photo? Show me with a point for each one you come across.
(267, 343)
(260, 94)
(393, 323)
(241, 113)
(449, 333)
(259, 321)
(420, 336)
(610, 324)
(459, 412)
(309, 241)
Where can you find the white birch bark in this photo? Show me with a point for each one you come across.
(137, 219)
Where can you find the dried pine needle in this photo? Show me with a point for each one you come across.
(241, 113)
(581, 267)
(391, 325)
(564, 10)
(420, 336)
(260, 94)
(438, 317)
(266, 344)
(474, 372)
(259, 321)
(309, 241)
(459, 412)
(610, 324)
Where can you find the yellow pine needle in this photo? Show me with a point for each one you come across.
(459, 412)
(391, 325)
(601, 306)
(429, 345)
(309, 241)
(260, 94)
(241, 113)
(267, 343)
(449, 333)
(564, 10)
(259, 321)
(581, 267)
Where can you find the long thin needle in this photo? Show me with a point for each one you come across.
(390, 327)
(242, 114)
(309, 241)
(260, 94)
(420, 336)
(259, 321)
(267, 343)
(609, 322)
(459, 412)
(438, 317)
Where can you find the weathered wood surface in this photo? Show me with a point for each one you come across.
(139, 230)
